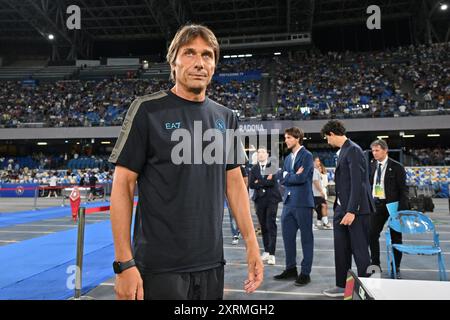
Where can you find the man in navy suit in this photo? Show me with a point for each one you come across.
(298, 207)
(352, 207)
(266, 196)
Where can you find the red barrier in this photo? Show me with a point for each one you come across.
(102, 208)
(75, 199)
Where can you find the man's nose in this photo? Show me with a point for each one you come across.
(198, 62)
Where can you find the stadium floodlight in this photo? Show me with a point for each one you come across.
(234, 56)
(433, 135)
(383, 137)
(277, 53)
(51, 37)
(226, 57)
(67, 141)
(105, 142)
(42, 143)
(444, 6)
(248, 55)
(408, 136)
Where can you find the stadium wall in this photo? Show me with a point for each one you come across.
(247, 127)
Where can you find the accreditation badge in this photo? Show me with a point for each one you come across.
(379, 191)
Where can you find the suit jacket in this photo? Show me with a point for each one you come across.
(395, 187)
(352, 181)
(298, 187)
(265, 189)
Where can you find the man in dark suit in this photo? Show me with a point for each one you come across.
(298, 207)
(388, 181)
(266, 197)
(352, 207)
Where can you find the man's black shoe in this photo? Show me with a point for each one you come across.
(287, 274)
(302, 280)
(399, 276)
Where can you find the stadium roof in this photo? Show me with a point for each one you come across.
(156, 19)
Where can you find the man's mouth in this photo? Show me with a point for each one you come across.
(198, 75)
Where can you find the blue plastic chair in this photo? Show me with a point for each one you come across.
(412, 222)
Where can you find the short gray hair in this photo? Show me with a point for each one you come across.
(381, 143)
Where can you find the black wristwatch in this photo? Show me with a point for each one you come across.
(120, 267)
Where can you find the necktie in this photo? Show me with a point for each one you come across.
(379, 174)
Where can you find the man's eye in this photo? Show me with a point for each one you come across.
(189, 53)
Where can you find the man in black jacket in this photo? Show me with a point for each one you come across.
(267, 195)
(352, 207)
(388, 181)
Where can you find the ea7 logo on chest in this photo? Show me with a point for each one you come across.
(172, 125)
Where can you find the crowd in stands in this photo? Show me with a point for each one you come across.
(343, 85)
(64, 177)
(311, 85)
(431, 156)
(72, 103)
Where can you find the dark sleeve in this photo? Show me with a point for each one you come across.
(400, 178)
(252, 179)
(235, 150)
(130, 150)
(356, 163)
(298, 179)
(243, 171)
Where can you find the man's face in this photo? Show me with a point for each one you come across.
(331, 139)
(194, 65)
(379, 153)
(290, 141)
(262, 155)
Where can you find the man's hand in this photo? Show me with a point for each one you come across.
(269, 177)
(129, 285)
(256, 181)
(255, 272)
(300, 170)
(348, 219)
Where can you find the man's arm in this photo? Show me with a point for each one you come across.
(128, 283)
(355, 163)
(318, 187)
(299, 179)
(254, 182)
(240, 206)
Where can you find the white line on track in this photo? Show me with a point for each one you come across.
(47, 225)
(320, 250)
(324, 267)
(321, 238)
(26, 231)
(315, 294)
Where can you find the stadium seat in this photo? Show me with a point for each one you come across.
(412, 222)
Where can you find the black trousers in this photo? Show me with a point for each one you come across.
(318, 201)
(201, 285)
(377, 222)
(348, 241)
(267, 215)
